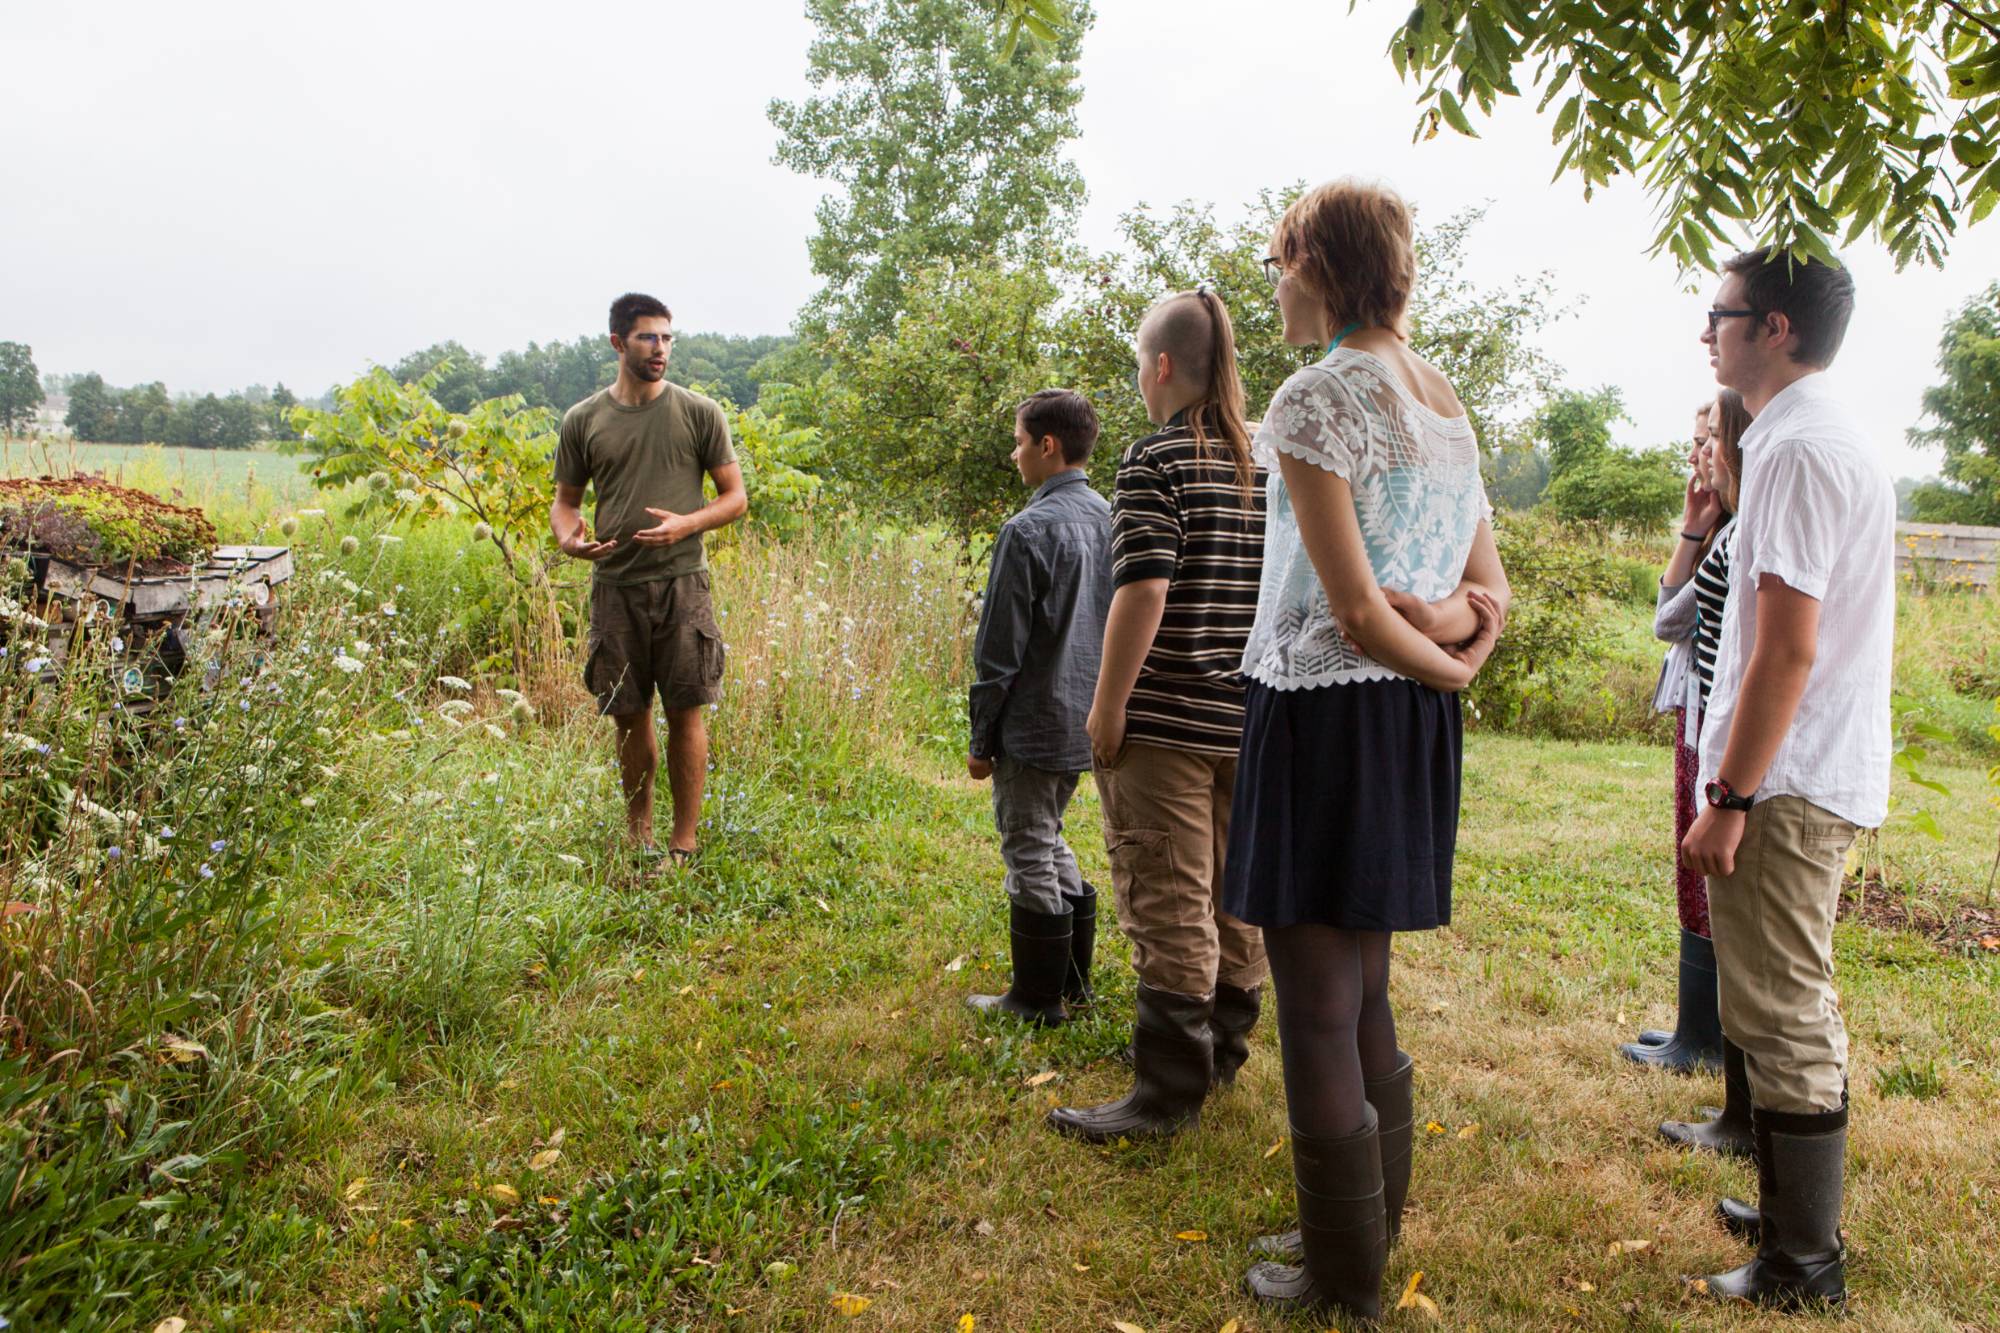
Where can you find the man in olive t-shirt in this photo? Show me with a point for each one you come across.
(645, 445)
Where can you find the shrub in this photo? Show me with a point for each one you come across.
(1560, 576)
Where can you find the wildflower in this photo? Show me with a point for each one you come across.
(350, 587)
(523, 711)
(205, 872)
(348, 664)
(243, 705)
(495, 732)
(218, 844)
(308, 802)
(328, 771)
(455, 707)
(456, 429)
(34, 665)
(362, 648)
(482, 532)
(349, 544)
(24, 743)
(388, 608)
(167, 833)
(459, 683)
(511, 696)
(289, 527)
(378, 481)
(115, 853)
(569, 860)
(387, 538)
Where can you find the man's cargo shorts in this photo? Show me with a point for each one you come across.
(646, 636)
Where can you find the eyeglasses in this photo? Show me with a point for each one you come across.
(1715, 317)
(656, 339)
(1274, 269)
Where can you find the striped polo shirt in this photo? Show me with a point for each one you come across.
(1711, 593)
(1178, 514)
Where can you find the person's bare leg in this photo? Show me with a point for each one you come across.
(638, 760)
(687, 772)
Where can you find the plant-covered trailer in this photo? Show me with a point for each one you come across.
(80, 551)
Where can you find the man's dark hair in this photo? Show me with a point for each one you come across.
(1063, 413)
(1817, 297)
(632, 307)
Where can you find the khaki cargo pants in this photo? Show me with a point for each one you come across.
(1166, 826)
(1773, 926)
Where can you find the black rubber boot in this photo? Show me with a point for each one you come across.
(1396, 1121)
(1082, 946)
(1801, 1161)
(1343, 1229)
(1041, 956)
(1728, 1131)
(1697, 1038)
(1236, 1010)
(1171, 1063)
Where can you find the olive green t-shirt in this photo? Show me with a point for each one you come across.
(638, 457)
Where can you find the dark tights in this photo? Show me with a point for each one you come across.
(1334, 1023)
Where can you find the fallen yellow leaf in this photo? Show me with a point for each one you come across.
(1124, 1327)
(545, 1159)
(1404, 1302)
(556, 1139)
(355, 1189)
(1192, 1237)
(548, 1200)
(1231, 1327)
(171, 1324)
(848, 1305)
(1036, 1080)
(1471, 1131)
(506, 1194)
(1700, 1285)
(185, 1051)
(1630, 1246)
(1274, 1149)
(965, 1323)
(955, 964)
(1433, 1127)
(1585, 1287)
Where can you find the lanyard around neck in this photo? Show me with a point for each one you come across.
(1341, 337)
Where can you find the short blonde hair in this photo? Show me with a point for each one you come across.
(1353, 244)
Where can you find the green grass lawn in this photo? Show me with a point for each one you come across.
(790, 1014)
(482, 1070)
(249, 479)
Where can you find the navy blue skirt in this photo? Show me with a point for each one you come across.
(1346, 807)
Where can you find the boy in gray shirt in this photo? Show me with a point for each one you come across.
(1041, 633)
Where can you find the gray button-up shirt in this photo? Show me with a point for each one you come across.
(1041, 631)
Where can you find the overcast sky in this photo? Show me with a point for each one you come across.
(216, 194)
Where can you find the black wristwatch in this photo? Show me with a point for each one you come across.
(1722, 797)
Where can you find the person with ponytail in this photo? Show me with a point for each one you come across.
(1347, 789)
(1187, 524)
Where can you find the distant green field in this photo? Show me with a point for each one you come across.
(253, 479)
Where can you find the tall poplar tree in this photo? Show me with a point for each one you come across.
(945, 140)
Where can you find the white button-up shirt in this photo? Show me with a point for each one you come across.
(1818, 512)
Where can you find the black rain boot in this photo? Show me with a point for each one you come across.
(1171, 1063)
(1396, 1121)
(1236, 1010)
(1082, 946)
(1697, 1038)
(1343, 1228)
(1041, 956)
(1728, 1131)
(1801, 1159)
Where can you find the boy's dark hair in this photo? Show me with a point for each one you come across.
(1063, 413)
(632, 307)
(1817, 297)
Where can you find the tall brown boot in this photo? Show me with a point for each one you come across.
(1343, 1228)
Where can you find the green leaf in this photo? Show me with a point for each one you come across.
(1454, 114)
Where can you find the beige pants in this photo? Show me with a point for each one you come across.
(1166, 826)
(1773, 926)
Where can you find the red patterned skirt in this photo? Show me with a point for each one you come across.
(1690, 889)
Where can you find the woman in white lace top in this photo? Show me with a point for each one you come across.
(1382, 595)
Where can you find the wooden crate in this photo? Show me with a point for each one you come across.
(1948, 555)
(247, 571)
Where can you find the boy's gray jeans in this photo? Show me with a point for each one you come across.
(1028, 805)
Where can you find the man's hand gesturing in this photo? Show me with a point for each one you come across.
(671, 528)
(579, 544)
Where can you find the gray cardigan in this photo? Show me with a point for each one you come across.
(1673, 624)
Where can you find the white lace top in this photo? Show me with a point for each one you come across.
(1417, 492)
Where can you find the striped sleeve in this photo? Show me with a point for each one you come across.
(1145, 520)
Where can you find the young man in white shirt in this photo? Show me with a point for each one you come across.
(1794, 750)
